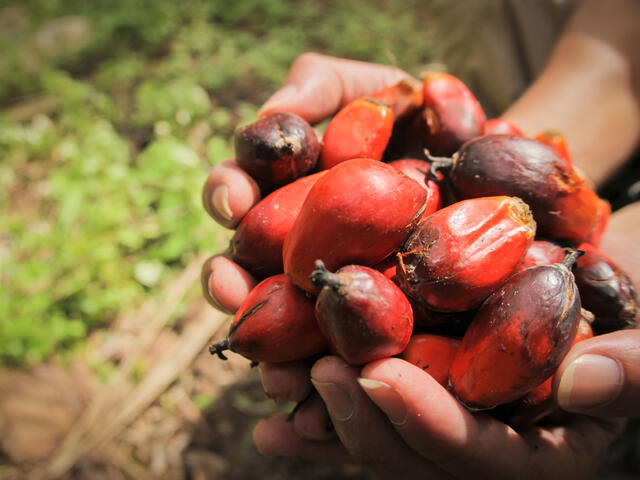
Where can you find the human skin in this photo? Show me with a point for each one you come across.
(392, 416)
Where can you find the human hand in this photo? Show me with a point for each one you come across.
(395, 419)
(316, 87)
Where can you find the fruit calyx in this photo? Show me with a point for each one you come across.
(321, 277)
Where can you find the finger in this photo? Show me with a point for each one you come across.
(287, 380)
(439, 428)
(277, 436)
(312, 421)
(229, 193)
(318, 85)
(225, 284)
(362, 428)
(601, 376)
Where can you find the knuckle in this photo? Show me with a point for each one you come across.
(308, 58)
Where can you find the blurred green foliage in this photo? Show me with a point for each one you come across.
(100, 191)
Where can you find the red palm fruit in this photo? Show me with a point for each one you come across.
(451, 114)
(519, 336)
(558, 142)
(405, 97)
(419, 171)
(276, 323)
(258, 241)
(606, 290)
(277, 149)
(362, 313)
(539, 403)
(456, 257)
(541, 252)
(421, 316)
(433, 354)
(604, 212)
(543, 391)
(498, 126)
(360, 212)
(387, 267)
(360, 130)
(563, 205)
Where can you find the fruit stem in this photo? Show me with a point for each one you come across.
(438, 163)
(218, 348)
(321, 277)
(571, 257)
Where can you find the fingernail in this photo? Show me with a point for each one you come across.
(590, 381)
(387, 398)
(337, 400)
(220, 202)
(261, 372)
(281, 97)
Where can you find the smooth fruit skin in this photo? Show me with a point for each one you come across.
(277, 149)
(276, 323)
(432, 353)
(451, 114)
(541, 252)
(360, 130)
(459, 255)
(604, 212)
(419, 171)
(518, 338)
(558, 142)
(539, 403)
(498, 126)
(258, 241)
(606, 290)
(359, 212)
(563, 205)
(365, 317)
(542, 392)
(405, 97)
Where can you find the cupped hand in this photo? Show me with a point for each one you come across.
(392, 417)
(316, 87)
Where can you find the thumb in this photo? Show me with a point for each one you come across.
(601, 376)
(318, 85)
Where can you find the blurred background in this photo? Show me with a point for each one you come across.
(111, 115)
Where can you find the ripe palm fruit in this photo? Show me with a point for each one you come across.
(360, 130)
(543, 391)
(405, 97)
(558, 142)
(604, 212)
(538, 403)
(419, 171)
(362, 313)
(433, 354)
(360, 212)
(606, 290)
(456, 257)
(277, 149)
(563, 205)
(541, 252)
(276, 323)
(258, 241)
(451, 114)
(519, 336)
(498, 126)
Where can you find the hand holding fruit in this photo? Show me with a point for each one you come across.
(429, 431)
